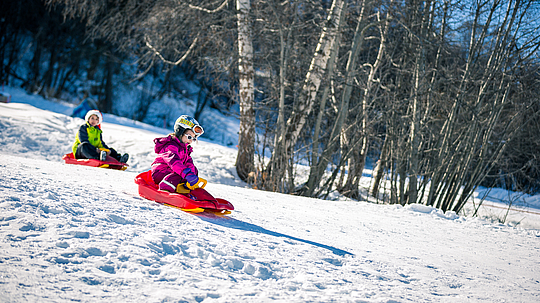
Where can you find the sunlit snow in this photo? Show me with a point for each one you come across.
(75, 233)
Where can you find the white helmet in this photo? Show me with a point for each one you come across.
(94, 112)
(186, 122)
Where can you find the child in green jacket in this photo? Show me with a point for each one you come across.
(89, 142)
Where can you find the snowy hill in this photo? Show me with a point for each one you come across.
(75, 233)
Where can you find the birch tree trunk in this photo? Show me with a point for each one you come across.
(282, 157)
(319, 163)
(379, 169)
(350, 188)
(417, 93)
(285, 41)
(246, 140)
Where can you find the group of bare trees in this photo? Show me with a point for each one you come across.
(440, 92)
(465, 105)
(445, 80)
(440, 83)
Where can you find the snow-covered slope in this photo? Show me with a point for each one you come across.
(75, 233)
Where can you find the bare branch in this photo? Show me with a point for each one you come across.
(179, 61)
(207, 10)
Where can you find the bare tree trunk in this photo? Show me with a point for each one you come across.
(351, 186)
(283, 152)
(319, 164)
(379, 169)
(246, 148)
(417, 93)
(285, 35)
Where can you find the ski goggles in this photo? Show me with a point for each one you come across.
(198, 130)
(190, 123)
(190, 137)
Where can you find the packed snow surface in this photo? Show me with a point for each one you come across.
(76, 233)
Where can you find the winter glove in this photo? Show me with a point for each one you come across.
(194, 182)
(191, 180)
(107, 151)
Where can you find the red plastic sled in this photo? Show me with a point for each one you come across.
(197, 200)
(111, 162)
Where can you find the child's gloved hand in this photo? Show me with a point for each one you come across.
(108, 151)
(198, 182)
(192, 180)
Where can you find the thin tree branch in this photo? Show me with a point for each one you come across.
(179, 61)
(207, 10)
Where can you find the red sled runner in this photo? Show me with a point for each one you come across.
(110, 162)
(197, 200)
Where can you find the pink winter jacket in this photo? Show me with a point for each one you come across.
(173, 156)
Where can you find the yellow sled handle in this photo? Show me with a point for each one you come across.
(198, 184)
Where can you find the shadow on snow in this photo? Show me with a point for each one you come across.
(237, 224)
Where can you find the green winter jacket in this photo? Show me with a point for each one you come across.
(90, 134)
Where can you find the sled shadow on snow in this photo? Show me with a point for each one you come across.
(237, 224)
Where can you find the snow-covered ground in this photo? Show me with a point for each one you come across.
(76, 233)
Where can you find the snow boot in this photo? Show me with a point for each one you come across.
(124, 158)
(181, 189)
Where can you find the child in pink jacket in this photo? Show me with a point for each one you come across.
(173, 170)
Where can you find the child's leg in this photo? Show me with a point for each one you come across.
(86, 150)
(115, 154)
(122, 158)
(170, 182)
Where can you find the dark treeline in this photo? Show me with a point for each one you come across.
(442, 95)
(48, 54)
